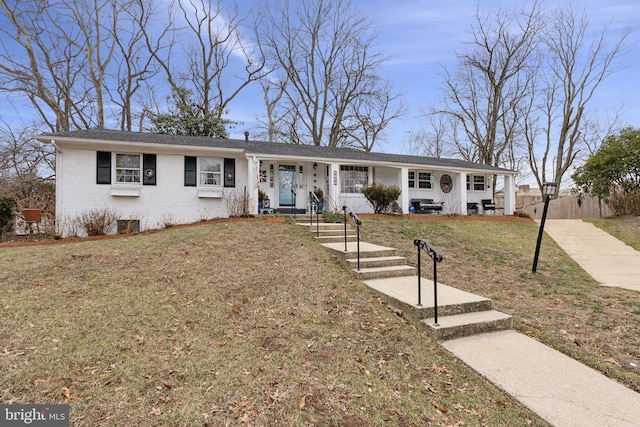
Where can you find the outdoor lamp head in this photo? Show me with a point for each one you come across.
(549, 188)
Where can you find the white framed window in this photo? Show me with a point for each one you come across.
(478, 182)
(128, 167)
(353, 178)
(210, 171)
(424, 180)
(420, 179)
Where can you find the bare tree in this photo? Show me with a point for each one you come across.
(220, 63)
(493, 75)
(522, 89)
(434, 140)
(370, 115)
(327, 51)
(59, 55)
(272, 123)
(41, 60)
(577, 64)
(97, 22)
(136, 47)
(24, 162)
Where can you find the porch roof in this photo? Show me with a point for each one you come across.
(271, 149)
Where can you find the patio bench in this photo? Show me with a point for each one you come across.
(425, 205)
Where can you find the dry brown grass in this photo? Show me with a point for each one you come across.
(228, 323)
(561, 305)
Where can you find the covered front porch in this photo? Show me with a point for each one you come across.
(287, 184)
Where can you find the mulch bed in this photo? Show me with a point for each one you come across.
(269, 219)
(439, 217)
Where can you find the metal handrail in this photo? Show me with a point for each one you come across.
(358, 223)
(314, 201)
(314, 197)
(294, 194)
(437, 257)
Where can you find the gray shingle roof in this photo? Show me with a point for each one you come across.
(270, 148)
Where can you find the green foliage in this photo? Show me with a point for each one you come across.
(614, 168)
(382, 198)
(332, 217)
(189, 118)
(7, 205)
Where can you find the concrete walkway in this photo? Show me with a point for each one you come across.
(561, 390)
(605, 258)
(558, 388)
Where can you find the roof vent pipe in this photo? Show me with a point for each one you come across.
(246, 136)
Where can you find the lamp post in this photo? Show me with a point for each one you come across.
(548, 190)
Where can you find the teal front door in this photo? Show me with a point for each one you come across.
(286, 183)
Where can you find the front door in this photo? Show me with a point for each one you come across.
(286, 183)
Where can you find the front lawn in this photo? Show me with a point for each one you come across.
(227, 323)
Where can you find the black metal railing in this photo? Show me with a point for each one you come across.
(293, 196)
(313, 203)
(358, 223)
(437, 257)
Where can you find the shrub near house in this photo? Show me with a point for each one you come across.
(383, 199)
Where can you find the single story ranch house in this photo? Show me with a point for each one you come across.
(155, 180)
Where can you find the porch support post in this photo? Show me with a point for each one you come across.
(253, 177)
(404, 188)
(334, 186)
(509, 195)
(461, 193)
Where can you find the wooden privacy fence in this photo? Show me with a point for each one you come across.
(567, 207)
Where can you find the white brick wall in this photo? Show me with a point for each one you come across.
(169, 201)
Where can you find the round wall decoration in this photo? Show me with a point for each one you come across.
(446, 183)
(149, 173)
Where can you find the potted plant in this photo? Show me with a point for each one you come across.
(320, 196)
(31, 215)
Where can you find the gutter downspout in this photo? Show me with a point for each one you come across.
(59, 185)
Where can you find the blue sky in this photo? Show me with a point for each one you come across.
(419, 35)
(422, 34)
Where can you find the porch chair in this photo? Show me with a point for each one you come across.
(488, 205)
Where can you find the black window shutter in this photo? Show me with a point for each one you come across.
(190, 171)
(149, 169)
(229, 172)
(103, 174)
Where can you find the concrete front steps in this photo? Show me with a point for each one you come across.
(375, 261)
(328, 232)
(460, 313)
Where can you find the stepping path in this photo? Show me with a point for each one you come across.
(559, 389)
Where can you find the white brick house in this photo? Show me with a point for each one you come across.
(155, 179)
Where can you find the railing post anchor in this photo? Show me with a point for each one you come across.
(344, 208)
(435, 292)
(419, 280)
(358, 232)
